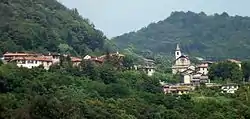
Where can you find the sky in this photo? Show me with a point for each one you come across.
(116, 17)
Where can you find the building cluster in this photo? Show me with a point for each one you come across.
(31, 60)
(192, 75)
(148, 66)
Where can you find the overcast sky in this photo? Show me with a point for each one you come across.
(115, 17)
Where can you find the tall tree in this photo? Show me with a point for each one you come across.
(246, 70)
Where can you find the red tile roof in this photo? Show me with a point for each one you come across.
(19, 54)
(76, 59)
(45, 59)
(100, 60)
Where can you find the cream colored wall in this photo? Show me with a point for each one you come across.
(182, 92)
(56, 59)
(151, 72)
(203, 71)
(76, 63)
(30, 65)
(187, 79)
(179, 61)
(179, 69)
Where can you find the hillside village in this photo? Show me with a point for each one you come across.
(58, 62)
(32, 60)
(193, 75)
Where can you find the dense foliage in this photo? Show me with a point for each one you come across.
(100, 92)
(230, 72)
(226, 71)
(46, 25)
(216, 36)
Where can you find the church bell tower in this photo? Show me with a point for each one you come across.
(177, 52)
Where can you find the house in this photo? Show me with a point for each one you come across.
(194, 77)
(148, 67)
(31, 62)
(203, 67)
(229, 88)
(55, 57)
(87, 57)
(177, 89)
(75, 61)
(187, 76)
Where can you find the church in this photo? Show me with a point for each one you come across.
(181, 62)
(192, 74)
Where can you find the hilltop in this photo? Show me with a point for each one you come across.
(200, 35)
(46, 26)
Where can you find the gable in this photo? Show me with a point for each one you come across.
(182, 57)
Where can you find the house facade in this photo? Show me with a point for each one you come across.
(229, 88)
(177, 89)
(148, 67)
(32, 62)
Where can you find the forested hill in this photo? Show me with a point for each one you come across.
(46, 25)
(217, 36)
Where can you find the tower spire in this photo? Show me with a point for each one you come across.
(178, 47)
(177, 51)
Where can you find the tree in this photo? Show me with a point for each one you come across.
(246, 70)
(128, 61)
(225, 71)
(198, 33)
(46, 26)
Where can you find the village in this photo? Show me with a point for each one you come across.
(192, 75)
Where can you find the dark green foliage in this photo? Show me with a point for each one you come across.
(111, 94)
(226, 71)
(246, 70)
(46, 25)
(216, 36)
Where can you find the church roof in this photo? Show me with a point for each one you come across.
(182, 56)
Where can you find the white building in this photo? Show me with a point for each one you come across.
(229, 88)
(148, 67)
(34, 60)
(31, 62)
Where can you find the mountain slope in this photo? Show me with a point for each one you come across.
(215, 36)
(46, 25)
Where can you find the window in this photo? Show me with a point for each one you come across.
(30, 61)
(177, 53)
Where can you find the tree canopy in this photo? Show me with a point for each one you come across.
(226, 71)
(46, 26)
(217, 36)
(102, 93)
